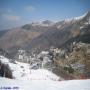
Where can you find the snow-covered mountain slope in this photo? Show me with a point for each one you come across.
(44, 84)
(40, 74)
(40, 79)
(76, 18)
(45, 23)
(23, 71)
(42, 35)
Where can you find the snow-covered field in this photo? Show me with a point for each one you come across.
(22, 71)
(44, 84)
(40, 79)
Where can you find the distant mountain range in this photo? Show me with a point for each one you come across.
(38, 36)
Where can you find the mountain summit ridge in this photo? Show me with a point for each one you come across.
(43, 35)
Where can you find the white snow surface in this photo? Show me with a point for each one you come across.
(40, 79)
(80, 17)
(3, 59)
(44, 84)
(76, 18)
(22, 71)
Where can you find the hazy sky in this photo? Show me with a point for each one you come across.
(18, 12)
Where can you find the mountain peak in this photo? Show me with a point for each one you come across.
(43, 23)
(47, 22)
(87, 15)
(84, 16)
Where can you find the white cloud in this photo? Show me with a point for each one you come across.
(29, 8)
(7, 14)
(11, 17)
(8, 18)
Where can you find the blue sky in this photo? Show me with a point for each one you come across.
(15, 13)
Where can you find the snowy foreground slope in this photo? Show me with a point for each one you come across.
(44, 84)
(40, 79)
(22, 71)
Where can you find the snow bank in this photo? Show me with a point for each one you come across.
(45, 84)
